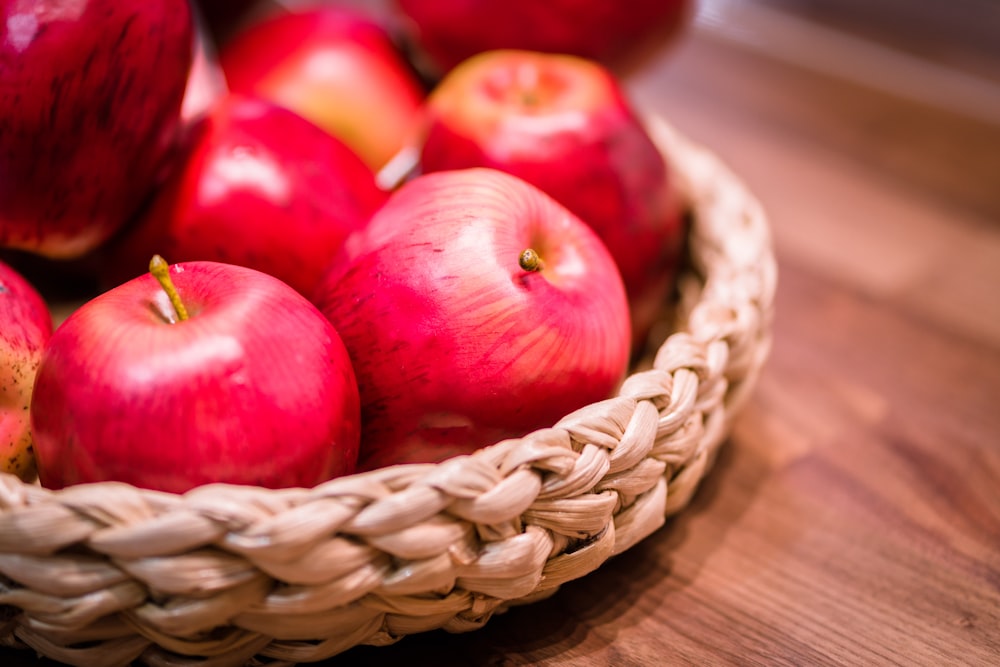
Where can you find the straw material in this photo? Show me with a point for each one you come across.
(105, 574)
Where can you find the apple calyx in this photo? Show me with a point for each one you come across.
(161, 271)
(530, 261)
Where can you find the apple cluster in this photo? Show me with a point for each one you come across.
(374, 261)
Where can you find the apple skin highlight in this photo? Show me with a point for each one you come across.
(336, 67)
(258, 186)
(255, 388)
(563, 124)
(455, 345)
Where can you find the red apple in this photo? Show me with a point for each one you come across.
(254, 387)
(335, 66)
(457, 340)
(25, 326)
(260, 187)
(613, 32)
(563, 124)
(90, 97)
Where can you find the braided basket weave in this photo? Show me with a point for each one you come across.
(107, 574)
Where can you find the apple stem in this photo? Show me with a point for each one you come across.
(161, 271)
(530, 261)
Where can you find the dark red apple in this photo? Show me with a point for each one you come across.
(335, 66)
(261, 187)
(564, 124)
(474, 308)
(25, 326)
(613, 32)
(253, 387)
(90, 97)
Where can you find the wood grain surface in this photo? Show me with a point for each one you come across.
(853, 517)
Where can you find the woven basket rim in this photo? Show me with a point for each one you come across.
(106, 573)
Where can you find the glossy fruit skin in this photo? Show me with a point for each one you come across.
(563, 124)
(255, 388)
(608, 31)
(90, 95)
(259, 186)
(336, 67)
(455, 345)
(25, 326)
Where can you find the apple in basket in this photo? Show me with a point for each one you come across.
(208, 372)
(259, 186)
(90, 98)
(335, 66)
(474, 307)
(564, 124)
(25, 326)
(449, 31)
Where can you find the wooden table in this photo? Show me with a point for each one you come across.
(854, 515)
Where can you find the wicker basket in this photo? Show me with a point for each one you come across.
(106, 574)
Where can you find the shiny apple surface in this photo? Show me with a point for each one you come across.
(454, 342)
(254, 388)
(90, 99)
(335, 66)
(564, 124)
(259, 186)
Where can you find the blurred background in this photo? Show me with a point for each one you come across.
(870, 129)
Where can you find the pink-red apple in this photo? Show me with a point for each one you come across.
(613, 32)
(563, 124)
(474, 307)
(90, 97)
(25, 326)
(335, 66)
(253, 387)
(261, 187)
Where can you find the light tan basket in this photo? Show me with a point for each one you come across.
(105, 574)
